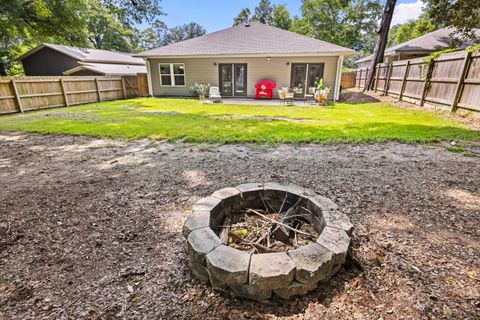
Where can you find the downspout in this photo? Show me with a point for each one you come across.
(336, 94)
(149, 78)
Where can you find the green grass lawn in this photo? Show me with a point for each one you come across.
(191, 121)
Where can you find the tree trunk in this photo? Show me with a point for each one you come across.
(382, 37)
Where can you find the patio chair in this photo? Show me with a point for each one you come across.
(310, 96)
(214, 94)
(286, 96)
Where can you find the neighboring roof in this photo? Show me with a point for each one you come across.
(430, 42)
(252, 38)
(88, 54)
(109, 69)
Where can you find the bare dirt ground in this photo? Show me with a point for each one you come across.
(91, 229)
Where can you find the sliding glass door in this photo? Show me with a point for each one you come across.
(233, 80)
(305, 76)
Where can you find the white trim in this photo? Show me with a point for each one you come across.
(338, 79)
(172, 75)
(149, 78)
(255, 55)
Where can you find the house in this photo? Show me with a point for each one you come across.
(420, 47)
(57, 60)
(236, 58)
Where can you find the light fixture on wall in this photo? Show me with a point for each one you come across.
(288, 63)
(269, 59)
(214, 63)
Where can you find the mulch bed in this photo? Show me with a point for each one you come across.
(91, 229)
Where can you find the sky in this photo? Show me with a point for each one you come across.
(218, 14)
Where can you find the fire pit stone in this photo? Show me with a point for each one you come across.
(259, 275)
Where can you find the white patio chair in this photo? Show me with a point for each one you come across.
(214, 94)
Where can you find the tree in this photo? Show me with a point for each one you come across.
(344, 22)
(243, 17)
(184, 32)
(264, 12)
(104, 24)
(281, 17)
(411, 29)
(382, 37)
(464, 15)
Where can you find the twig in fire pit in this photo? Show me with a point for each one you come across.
(279, 223)
(257, 246)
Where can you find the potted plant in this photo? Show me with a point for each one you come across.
(322, 93)
(200, 90)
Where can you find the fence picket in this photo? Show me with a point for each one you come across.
(452, 80)
(461, 79)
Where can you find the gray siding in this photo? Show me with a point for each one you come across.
(48, 62)
(204, 70)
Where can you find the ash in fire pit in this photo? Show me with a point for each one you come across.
(256, 240)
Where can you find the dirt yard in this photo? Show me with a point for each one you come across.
(91, 229)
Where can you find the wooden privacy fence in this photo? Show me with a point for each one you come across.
(19, 94)
(452, 80)
(348, 79)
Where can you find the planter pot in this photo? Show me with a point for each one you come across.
(201, 97)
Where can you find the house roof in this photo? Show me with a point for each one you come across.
(88, 54)
(434, 41)
(108, 69)
(248, 39)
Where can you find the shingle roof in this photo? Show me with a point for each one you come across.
(434, 41)
(109, 69)
(248, 39)
(89, 55)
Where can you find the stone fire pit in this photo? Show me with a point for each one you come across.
(258, 276)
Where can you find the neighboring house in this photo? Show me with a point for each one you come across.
(420, 47)
(236, 58)
(57, 60)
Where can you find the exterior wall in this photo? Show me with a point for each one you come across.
(204, 70)
(48, 62)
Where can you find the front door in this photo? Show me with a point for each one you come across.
(305, 76)
(233, 80)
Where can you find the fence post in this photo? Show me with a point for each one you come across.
(404, 81)
(62, 85)
(387, 79)
(366, 77)
(376, 77)
(17, 96)
(359, 78)
(124, 88)
(98, 90)
(461, 80)
(428, 76)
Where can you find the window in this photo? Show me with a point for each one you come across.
(172, 74)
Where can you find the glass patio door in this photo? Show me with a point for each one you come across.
(233, 80)
(304, 77)
(299, 77)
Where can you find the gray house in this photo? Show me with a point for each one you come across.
(420, 47)
(236, 58)
(57, 60)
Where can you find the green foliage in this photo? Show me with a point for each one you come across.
(350, 23)
(277, 16)
(243, 17)
(411, 29)
(457, 149)
(281, 17)
(183, 32)
(461, 14)
(200, 89)
(104, 24)
(264, 12)
(434, 55)
(190, 120)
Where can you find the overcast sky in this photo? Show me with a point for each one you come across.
(218, 14)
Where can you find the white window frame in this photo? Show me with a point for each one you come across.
(172, 75)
